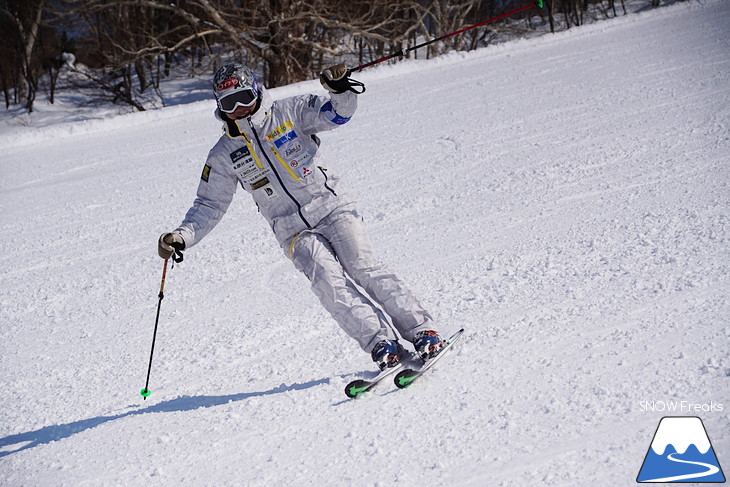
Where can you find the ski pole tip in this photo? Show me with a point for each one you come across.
(145, 393)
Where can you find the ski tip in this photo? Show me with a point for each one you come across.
(356, 388)
(405, 378)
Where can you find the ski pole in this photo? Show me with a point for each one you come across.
(146, 392)
(404, 52)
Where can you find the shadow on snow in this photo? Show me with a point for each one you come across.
(184, 403)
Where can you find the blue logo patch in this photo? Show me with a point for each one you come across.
(289, 136)
(339, 120)
(240, 153)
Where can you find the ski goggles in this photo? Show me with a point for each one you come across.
(239, 98)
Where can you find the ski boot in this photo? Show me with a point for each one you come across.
(386, 354)
(428, 344)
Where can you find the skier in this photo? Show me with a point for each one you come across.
(270, 149)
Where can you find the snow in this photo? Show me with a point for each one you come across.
(564, 198)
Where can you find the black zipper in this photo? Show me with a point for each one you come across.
(273, 168)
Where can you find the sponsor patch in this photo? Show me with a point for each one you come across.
(312, 101)
(239, 154)
(251, 172)
(279, 131)
(288, 137)
(270, 193)
(290, 151)
(299, 161)
(206, 173)
(246, 166)
(260, 183)
(226, 84)
(248, 170)
(339, 120)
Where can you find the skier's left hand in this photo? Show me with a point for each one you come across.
(336, 79)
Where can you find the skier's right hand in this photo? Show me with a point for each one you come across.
(168, 243)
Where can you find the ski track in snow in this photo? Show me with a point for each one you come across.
(564, 198)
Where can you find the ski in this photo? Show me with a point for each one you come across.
(359, 387)
(405, 377)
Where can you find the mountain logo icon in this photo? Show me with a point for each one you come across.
(681, 452)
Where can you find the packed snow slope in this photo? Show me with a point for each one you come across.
(564, 198)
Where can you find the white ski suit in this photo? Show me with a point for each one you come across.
(272, 155)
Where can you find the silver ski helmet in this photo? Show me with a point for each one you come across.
(235, 86)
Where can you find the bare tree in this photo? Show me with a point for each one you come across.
(128, 46)
(24, 18)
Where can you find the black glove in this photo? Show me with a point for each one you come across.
(336, 79)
